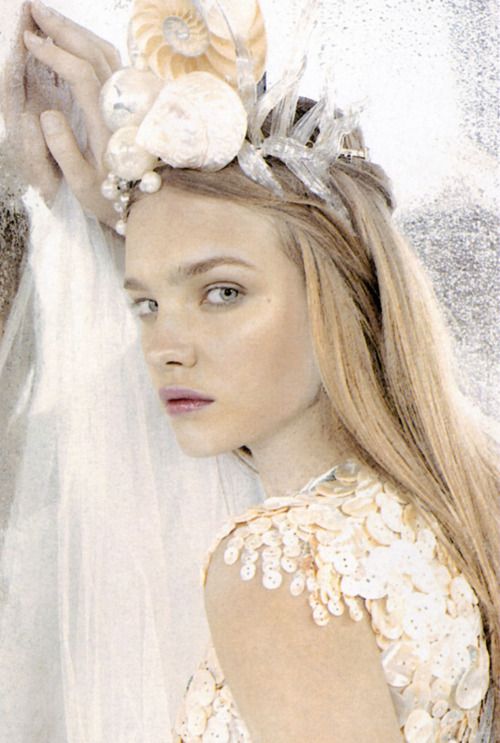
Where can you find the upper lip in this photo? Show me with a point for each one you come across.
(181, 393)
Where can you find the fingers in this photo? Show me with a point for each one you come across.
(36, 158)
(81, 177)
(85, 86)
(64, 148)
(77, 40)
(12, 75)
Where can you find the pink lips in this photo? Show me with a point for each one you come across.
(179, 400)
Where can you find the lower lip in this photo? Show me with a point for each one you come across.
(179, 407)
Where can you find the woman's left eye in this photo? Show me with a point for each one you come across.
(222, 295)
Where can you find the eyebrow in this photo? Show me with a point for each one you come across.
(188, 270)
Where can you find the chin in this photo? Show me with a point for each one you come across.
(198, 446)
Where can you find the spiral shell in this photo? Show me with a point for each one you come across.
(197, 121)
(174, 38)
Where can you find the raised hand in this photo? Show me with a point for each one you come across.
(50, 150)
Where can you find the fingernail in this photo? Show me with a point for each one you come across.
(40, 7)
(32, 39)
(43, 10)
(51, 122)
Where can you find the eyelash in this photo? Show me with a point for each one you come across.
(221, 288)
(136, 304)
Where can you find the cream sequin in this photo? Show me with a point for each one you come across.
(349, 540)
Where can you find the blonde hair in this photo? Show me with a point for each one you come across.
(385, 358)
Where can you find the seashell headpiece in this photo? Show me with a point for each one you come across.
(191, 99)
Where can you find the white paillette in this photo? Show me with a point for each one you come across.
(348, 539)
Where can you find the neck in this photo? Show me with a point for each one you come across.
(305, 449)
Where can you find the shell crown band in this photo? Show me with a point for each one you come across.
(194, 96)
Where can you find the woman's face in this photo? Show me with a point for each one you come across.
(223, 313)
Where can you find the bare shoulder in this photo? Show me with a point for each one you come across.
(291, 679)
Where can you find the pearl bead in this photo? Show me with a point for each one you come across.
(151, 182)
(109, 189)
(127, 96)
(121, 227)
(125, 157)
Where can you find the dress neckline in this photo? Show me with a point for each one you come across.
(328, 475)
(310, 486)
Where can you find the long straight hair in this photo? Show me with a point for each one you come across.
(385, 358)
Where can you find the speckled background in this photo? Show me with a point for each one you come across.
(427, 71)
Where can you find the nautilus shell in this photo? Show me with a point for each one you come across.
(197, 121)
(176, 37)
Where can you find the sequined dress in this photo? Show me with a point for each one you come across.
(349, 539)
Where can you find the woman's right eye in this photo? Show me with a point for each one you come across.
(144, 307)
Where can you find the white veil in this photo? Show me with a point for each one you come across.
(102, 619)
(101, 615)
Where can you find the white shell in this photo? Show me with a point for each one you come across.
(335, 606)
(202, 689)
(231, 554)
(196, 720)
(173, 38)
(125, 157)
(419, 727)
(474, 683)
(217, 731)
(261, 525)
(248, 570)
(197, 121)
(127, 96)
(272, 580)
(297, 584)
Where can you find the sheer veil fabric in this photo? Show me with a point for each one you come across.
(101, 617)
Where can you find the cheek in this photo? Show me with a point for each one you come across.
(270, 362)
(266, 378)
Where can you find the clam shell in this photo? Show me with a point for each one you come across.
(197, 121)
(173, 38)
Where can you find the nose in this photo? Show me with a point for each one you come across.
(168, 343)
